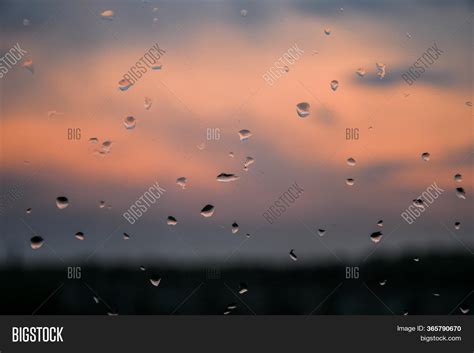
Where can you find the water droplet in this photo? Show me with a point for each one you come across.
(416, 259)
(376, 237)
(235, 228)
(360, 72)
(380, 70)
(28, 64)
(321, 232)
(112, 314)
(155, 20)
(351, 161)
(464, 309)
(129, 122)
(155, 9)
(26, 22)
(425, 156)
(201, 146)
(243, 12)
(457, 225)
(171, 221)
(244, 134)
(157, 66)
(383, 282)
(419, 203)
(248, 162)
(36, 242)
(243, 288)
(461, 193)
(227, 312)
(126, 236)
(101, 204)
(408, 35)
(286, 68)
(207, 211)
(142, 268)
(94, 140)
(54, 113)
(303, 109)
(231, 154)
(148, 103)
(62, 202)
(469, 103)
(405, 313)
(79, 236)
(225, 178)
(96, 300)
(350, 181)
(327, 31)
(155, 280)
(293, 255)
(247, 235)
(334, 85)
(380, 223)
(28, 210)
(181, 181)
(125, 84)
(436, 294)
(107, 15)
(458, 178)
(232, 306)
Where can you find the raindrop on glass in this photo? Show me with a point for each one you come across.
(458, 178)
(416, 259)
(155, 280)
(425, 156)
(181, 181)
(380, 70)
(248, 162)
(232, 306)
(148, 102)
(225, 178)
(129, 122)
(351, 161)
(380, 223)
(243, 12)
(350, 181)
(28, 64)
(26, 22)
(36, 242)
(101, 204)
(62, 202)
(142, 268)
(235, 228)
(457, 225)
(469, 103)
(79, 236)
(293, 255)
(464, 309)
(244, 134)
(28, 210)
(435, 294)
(243, 288)
(419, 203)
(321, 232)
(96, 300)
(376, 237)
(157, 66)
(360, 72)
(207, 211)
(94, 140)
(231, 154)
(171, 221)
(327, 31)
(126, 236)
(334, 84)
(461, 193)
(303, 109)
(107, 15)
(383, 282)
(124, 84)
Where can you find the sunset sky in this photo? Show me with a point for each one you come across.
(211, 77)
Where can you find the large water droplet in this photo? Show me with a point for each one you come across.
(376, 237)
(62, 202)
(303, 109)
(107, 15)
(458, 178)
(425, 156)
(235, 228)
(129, 122)
(79, 236)
(334, 84)
(207, 211)
(36, 242)
(181, 181)
(171, 221)
(351, 161)
(155, 280)
(461, 193)
(293, 255)
(225, 178)
(244, 134)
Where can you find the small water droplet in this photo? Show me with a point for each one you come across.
(303, 109)
(248, 162)
(351, 161)
(101, 204)
(155, 280)
(360, 72)
(416, 259)
(231, 154)
(380, 223)
(36, 242)
(225, 178)
(207, 211)
(243, 12)
(405, 313)
(464, 309)
(125, 84)
(126, 236)
(460, 193)
(408, 35)
(96, 300)
(425, 156)
(469, 103)
(142, 268)
(458, 178)
(244, 134)
(321, 232)
(376, 237)
(107, 15)
(62, 202)
(28, 64)
(286, 68)
(419, 203)
(293, 255)
(181, 181)
(155, 9)
(155, 20)
(79, 236)
(130, 122)
(235, 228)
(201, 146)
(350, 181)
(112, 314)
(457, 225)
(243, 288)
(94, 140)
(232, 306)
(157, 66)
(148, 102)
(28, 210)
(436, 294)
(380, 70)
(171, 221)
(327, 31)
(26, 22)
(383, 282)
(334, 85)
